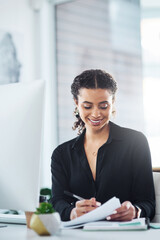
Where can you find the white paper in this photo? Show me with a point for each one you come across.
(99, 213)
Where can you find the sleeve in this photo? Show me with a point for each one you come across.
(59, 184)
(143, 193)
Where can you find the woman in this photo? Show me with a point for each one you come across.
(106, 160)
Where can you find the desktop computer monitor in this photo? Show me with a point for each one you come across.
(21, 121)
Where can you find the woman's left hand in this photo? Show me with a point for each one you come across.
(125, 213)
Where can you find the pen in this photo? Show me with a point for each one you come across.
(73, 195)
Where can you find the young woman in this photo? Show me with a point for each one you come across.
(105, 160)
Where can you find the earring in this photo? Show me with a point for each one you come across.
(76, 112)
(113, 112)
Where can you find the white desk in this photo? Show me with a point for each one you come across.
(21, 232)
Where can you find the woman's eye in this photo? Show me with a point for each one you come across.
(104, 106)
(87, 107)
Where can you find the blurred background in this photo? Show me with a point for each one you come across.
(56, 40)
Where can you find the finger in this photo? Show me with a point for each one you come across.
(124, 207)
(98, 204)
(126, 212)
(83, 210)
(127, 217)
(130, 210)
(73, 214)
(117, 216)
(87, 202)
(93, 199)
(95, 203)
(82, 203)
(78, 214)
(88, 209)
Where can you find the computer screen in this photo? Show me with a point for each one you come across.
(21, 123)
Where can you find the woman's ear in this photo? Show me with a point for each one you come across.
(113, 99)
(76, 101)
(113, 107)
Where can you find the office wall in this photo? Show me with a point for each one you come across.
(17, 18)
(33, 27)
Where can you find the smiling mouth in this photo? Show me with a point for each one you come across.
(95, 122)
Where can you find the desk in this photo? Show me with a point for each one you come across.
(21, 232)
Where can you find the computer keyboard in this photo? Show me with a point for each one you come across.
(12, 218)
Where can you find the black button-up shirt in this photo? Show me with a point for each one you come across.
(123, 170)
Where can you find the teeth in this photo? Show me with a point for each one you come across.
(95, 121)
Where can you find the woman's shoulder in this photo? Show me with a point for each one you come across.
(66, 145)
(126, 133)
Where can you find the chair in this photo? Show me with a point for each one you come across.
(156, 177)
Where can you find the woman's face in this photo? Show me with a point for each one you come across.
(95, 107)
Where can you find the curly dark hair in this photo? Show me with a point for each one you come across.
(91, 79)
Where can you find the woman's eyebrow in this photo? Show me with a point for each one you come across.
(103, 102)
(87, 102)
(99, 103)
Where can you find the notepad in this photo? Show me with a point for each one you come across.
(154, 225)
(99, 213)
(135, 224)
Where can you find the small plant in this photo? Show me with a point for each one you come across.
(45, 208)
(46, 192)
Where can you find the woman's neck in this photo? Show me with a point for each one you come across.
(97, 136)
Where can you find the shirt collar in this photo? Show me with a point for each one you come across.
(79, 140)
(115, 133)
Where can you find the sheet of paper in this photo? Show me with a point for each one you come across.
(99, 213)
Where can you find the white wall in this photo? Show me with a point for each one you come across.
(17, 17)
(35, 30)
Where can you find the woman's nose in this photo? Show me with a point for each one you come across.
(95, 113)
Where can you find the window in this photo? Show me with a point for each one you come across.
(150, 31)
(106, 35)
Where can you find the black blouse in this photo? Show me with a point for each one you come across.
(123, 170)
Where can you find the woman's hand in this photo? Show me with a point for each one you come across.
(84, 206)
(125, 213)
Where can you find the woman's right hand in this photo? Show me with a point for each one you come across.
(84, 206)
